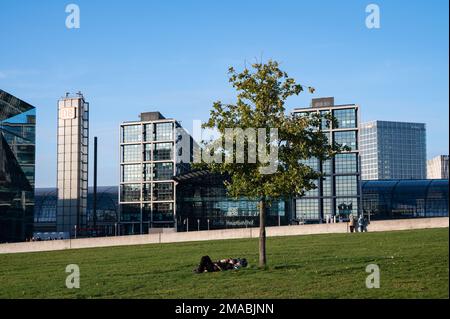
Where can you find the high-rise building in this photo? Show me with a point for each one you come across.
(338, 192)
(437, 168)
(152, 151)
(72, 180)
(17, 168)
(393, 150)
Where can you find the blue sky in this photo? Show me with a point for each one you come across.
(173, 56)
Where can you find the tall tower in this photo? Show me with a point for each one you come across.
(73, 145)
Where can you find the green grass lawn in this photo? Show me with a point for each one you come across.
(413, 264)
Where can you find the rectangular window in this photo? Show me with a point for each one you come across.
(307, 209)
(131, 133)
(131, 173)
(346, 186)
(163, 171)
(162, 191)
(345, 118)
(326, 186)
(147, 192)
(163, 212)
(163, 131)
(131, 153)
(148, 132)
(163, 151)
(147, 152)
(346, 163)
(148, 171)
(130, 193)
(346, 138)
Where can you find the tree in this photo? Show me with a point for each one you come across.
(261, 95)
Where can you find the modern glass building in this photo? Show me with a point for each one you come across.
(394, 199)
(437, 168)
(203, 204)
(17, 168)
(72, 173)
(338, 193)
(393, 150)
(152, 151)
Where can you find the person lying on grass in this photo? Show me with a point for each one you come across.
(207, 265)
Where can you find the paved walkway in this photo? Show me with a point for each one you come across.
(375, 226)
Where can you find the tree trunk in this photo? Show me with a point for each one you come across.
(262, 233)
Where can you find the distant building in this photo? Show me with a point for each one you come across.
(438, 167)
(152, 151)
(72, 170)
(393, 150)
(338, 193)
(17, 168)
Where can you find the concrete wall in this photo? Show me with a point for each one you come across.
(375, 226)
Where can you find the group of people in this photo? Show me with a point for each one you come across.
(207, 265)
(358, 224)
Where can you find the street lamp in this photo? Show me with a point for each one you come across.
(75, 227)
(208, 223)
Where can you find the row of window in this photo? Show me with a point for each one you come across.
(345, 163)
(146, 172)
(147, 132)
(346, 185)
(156, 212)
(345, 118)
(150, 152)
(149, 192)
(309, 209)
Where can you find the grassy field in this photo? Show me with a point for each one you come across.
(413, 264)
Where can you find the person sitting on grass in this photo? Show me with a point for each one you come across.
(207, 265)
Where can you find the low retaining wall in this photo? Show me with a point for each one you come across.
(375, 226)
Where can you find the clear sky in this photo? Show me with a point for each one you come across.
(133, 56)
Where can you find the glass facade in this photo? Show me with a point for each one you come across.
(393, 150)
(390, 199)
(203, 203)
(107, 210)
(337, 193)
(202, 196)
(17, 168)
(151, 155)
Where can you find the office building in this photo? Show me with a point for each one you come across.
(393, 150)
(338, 193)
(437, 168)
(72, 170)
(17, 168)
(152, 151)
